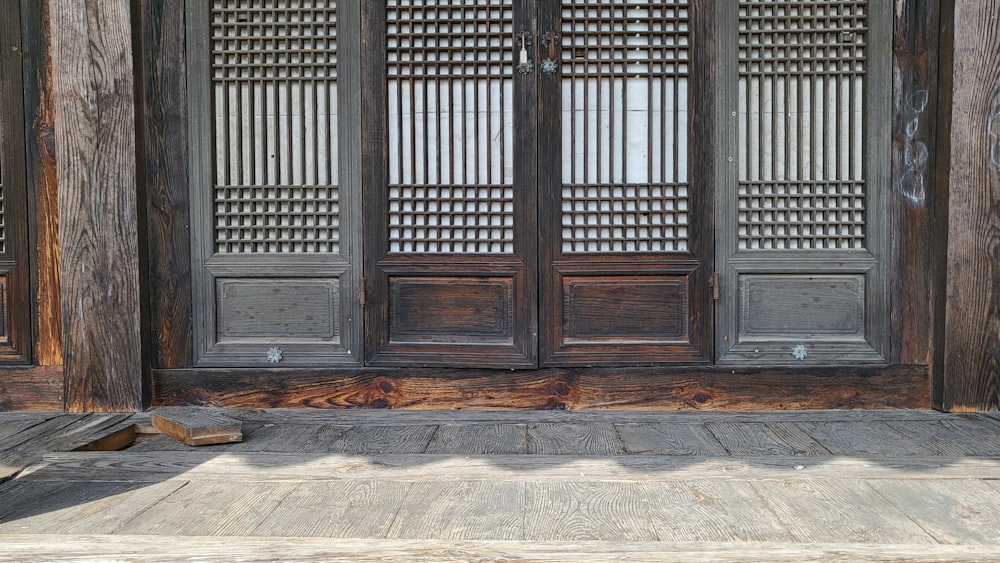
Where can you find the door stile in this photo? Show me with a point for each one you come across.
(440, 159)
(623, 254)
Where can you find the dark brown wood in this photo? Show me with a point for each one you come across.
(605, 388)
(196, 427)
(971, 370)
(15, 309)
(40, 146)
(31, 388)
(98, 215)
(915, 58)
(164, 106)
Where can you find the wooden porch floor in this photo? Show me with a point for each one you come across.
(527, 486)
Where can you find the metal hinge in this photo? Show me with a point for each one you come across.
(716, 286)
(363, 292)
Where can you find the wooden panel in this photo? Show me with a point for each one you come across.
(460, 309)
(98, 214)
(32, 388)
(623, 388)
(165, 164)
(277, 309)
(802, 307)
(39, 114)
(971, 367)
(628, 308)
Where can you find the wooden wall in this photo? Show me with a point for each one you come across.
(969, 368)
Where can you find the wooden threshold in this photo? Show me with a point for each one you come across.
(38, 388)
(702, 388)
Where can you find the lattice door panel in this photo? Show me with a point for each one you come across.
(804, 206)
(801, 125)
(620, 275)
(450, 123)
(625, 95)
(275, 259)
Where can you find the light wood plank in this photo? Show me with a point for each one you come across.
(584, 511)
(569, 438)
(197, 427)
(463, 510)
(476, 439)
(348, 509)
(669, 439)
(711, 511)
(165, 549)
(749, 439)
(839, 511)
(953, 512)
(874, 438)
(190, 465)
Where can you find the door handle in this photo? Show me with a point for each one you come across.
(524, 65)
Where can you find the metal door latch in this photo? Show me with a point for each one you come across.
(549, 65)
(524, 65)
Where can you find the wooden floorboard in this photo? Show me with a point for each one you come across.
(457, 486)
(165, 549)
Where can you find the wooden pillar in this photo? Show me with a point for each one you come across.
(98, 213)
(970, 96)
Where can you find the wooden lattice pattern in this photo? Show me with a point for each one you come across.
(274, 70)
(625, 120)
(801, 124)
(450, 123)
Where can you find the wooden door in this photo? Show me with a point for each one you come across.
(803, 203)
(15, 313)
(275, 188)
(450, 184)
(624, 212)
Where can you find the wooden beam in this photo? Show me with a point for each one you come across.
(99, 221)
(971, 64)
(600, 388)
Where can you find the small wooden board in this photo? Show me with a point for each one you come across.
(197, 427)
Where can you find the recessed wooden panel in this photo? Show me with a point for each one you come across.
(802, 307)
(652, 309)
(277, 309)
(469, 309)
(3, 308)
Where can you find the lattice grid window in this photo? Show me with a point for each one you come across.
(274, 77)
(801, 124)
(450, 101)
(625, 72)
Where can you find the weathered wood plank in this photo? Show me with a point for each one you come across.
(99, 236)
(750, 439)
(37, 388)
(479, 439)
(153, 466)
(954, 439)
(197, 427)
(464, 510)
(166, 549)
(711, 511)
(953, 512)
(289, 438)
(871, 439)
(583, 511)
(63, 433)
(840, 511)
(701, 388)
(669, 439)
(383, 439)
(569, 438)
(971, 137)
(21, 498)
(342, 509)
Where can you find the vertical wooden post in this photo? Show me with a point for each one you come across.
(98, 213)
(970, 89)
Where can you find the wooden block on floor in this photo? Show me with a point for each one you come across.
(197, 427)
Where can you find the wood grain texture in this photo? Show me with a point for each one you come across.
(166, 549)
(950, 511)
(164, 106)
(582, 511)
(32, 388)
(39, 108)
(479, 439)
(572, 438)
(972, 320)
(98, 215)
(916, 200)
(197, 427)
(669, 439)
(465, 510)
(598, 388)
